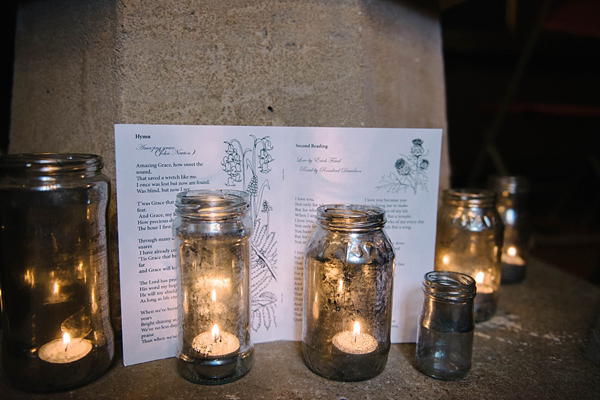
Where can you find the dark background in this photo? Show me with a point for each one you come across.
(523, 80)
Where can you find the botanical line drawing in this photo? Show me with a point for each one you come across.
(246, 166)
(411, 171)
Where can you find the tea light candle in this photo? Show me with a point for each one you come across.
(485, 299)
(354, 342)
(215, 343)
(511, 257)
(513, 266)
(65, 350)
(353, 353)
(67, 361)
(217, 354)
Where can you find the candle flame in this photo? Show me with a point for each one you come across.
(356, 332)
(215, 333)
(214, 295)
(66, 340)
(479, 277)
(512, 251)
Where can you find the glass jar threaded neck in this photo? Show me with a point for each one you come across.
(449, 286)
(469, 197)
(212, 205)
(350, 217)
(48, 165)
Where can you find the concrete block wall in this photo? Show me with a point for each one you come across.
(81, 66)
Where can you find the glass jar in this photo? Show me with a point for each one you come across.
(348, 276)
(54, 273)
(212, 232)
(469, 240)
(512, 192)
(446, 325)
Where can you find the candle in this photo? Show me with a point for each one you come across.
(215, 343)
(511, 257)
(485, 299)
(65, 361)
(65, 350)
(513, 266)
(217, 355)
(354, 354)
(354, 342)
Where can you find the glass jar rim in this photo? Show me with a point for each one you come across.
(49, 163)
(350, 217)
(513, 184)
(469, 197)
(449, 286)
(212, 204)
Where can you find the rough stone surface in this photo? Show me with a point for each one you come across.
(82, 66)
(533, 348)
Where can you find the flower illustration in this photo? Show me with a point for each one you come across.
(243, 163)
(253, 185)
(411, 171)
(402, 166)
(266, 207)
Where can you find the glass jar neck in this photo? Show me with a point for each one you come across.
(50, 165)
(212, 205)
(449, 286)
(475, 198)
(507, 185)
(350, 217)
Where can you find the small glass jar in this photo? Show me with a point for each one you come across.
(512, 192)
(56, 331)
(348, 277)
(212, 232)
(446, 325)
(469, 240)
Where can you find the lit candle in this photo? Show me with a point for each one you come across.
(217, 354)
(354, 342)
(485, 299)
(511, 257)
(215, 343)
(353, 353)
(67, 361)
(65, 350)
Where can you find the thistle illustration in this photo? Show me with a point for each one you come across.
(410, 171)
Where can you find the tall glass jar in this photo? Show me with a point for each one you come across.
(469, 240)
(56, 331)
(512, 192)
(348, 277)
(446, 325)
(212, 232)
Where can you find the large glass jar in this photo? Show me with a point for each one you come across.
(348, 277)
(212, 232)
(56, 331)
(446, 325)
(512, 192)
(469, 240)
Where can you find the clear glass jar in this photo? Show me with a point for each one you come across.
(212, 232)
(446, 325)
(56, 331)
(469, 240)
(512, 192)
(348, 277)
